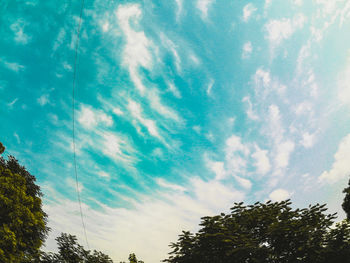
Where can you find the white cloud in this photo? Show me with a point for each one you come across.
(344, 85)
(158, 152)
(194, 59)
(248, 10)
(197, 129)
(173, 49)
(345, 14)
(179, 4)
(90, 118)
(279, 195)
(217, 168)
(262, 79)
(262, 162)
(341, 165)
(103, 174)
(267, 3)
(235, 154)
(115, 147)
(18, 29)
(161, 182)
(174, 90)
(284, 150)
(12, 65)
(247, 50)
(17, 138)
(276, 128)
(203, 6)
(13, 102)
(105, 27)
(303, 108)
(307, 140)
(250, 113)
(328, 6)
(118, 111)
(156, 221)
(136, 51)
(245, 183)
(210, 86)
(136, 111)
(234, 144)
(73, 185)
(67, 66)
(160, 108)
(60, 39)
(265, 84)
(304, 53)
(43, 99)
(209, 193)
(279, 30)
(298, 2)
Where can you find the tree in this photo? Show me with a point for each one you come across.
(133, 259)
(2, 148)
(346, 202)
(70, 251)
(265, 232)
(22, 221)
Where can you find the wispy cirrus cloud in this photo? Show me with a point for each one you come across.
(136, 112)
(90, 118)
(203, 6)
(136, 51)
(14, 66)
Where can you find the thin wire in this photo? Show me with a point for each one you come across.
(73, 120)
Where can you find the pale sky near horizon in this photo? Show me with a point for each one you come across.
(182, 109)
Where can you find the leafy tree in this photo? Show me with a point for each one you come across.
(346, 202)
(70, 251)
(22, 221)
(265, 232)
(133, 259)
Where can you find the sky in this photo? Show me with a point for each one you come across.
(182, 108)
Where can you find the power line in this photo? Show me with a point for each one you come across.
(73, 121)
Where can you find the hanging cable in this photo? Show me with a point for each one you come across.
(73, 121)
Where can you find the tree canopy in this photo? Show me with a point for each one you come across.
(265, 232)
(70, 251)
(22, 220)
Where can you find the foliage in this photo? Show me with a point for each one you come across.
(346, 202)
(22, 220)
(133, 259)
(270, 232)
(2, 148)
(70, 251)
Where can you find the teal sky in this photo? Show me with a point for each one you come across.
(182, 108)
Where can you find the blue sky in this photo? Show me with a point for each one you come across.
(182, 108)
